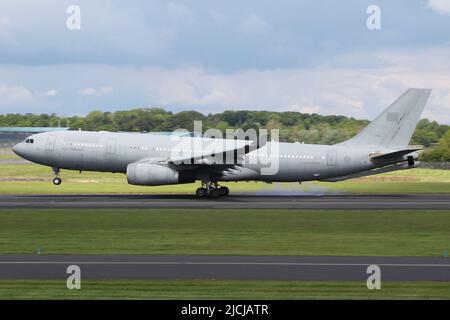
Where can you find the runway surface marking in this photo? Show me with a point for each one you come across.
(224, 267)
(225, 263)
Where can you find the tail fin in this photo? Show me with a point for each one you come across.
(395, 126)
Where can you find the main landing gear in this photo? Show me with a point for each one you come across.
(212, 190)
(56, 180)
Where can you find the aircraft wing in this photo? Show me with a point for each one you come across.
(153, 160)
(219, 152)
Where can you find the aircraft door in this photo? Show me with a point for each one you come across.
(50, 143)
(111, 146)
(332, 157)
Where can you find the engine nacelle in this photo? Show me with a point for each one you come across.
(147, 174)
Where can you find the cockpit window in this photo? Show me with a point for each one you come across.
(29, 141)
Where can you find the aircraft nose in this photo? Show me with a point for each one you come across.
(18, 149)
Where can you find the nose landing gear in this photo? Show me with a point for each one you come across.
(211, 190)
(56, 180)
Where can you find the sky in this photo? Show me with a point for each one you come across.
(210, 56)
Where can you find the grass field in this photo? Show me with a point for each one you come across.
(7, 156)
(30, 178)
(226, 232)
(218, 289)
(221, 232)
(36, 179)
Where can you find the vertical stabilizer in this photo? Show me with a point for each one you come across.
(394, 127)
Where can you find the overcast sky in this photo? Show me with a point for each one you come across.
(209, 55)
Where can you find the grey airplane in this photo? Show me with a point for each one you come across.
(153, 159)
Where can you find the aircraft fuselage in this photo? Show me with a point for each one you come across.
(113, 152)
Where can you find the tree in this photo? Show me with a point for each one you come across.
(293, 126)
(440, 153)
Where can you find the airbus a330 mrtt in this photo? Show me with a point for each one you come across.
(153, 159)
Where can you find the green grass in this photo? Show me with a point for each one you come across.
(226, 232)
(36, 179)
(7, 157)
(215, 289)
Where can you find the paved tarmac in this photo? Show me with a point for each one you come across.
(223, 267)
(434, 201)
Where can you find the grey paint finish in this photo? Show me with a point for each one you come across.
(113, 152)
(223, 267)
(394, 127)
(67, 150)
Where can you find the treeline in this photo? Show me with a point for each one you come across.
(294, 126)
(440, 152)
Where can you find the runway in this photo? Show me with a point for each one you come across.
(230, 202)
(223, 267)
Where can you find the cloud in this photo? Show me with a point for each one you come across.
(309, 109)
(14, 94)
(97, 92)
(360, 92)
(251, 56)
(51, 93)
(3, 23)
(179, 12)
(218, 17)
(208, 34)
(254, 24)
(440, 6)
(126, 33)
(7, 39)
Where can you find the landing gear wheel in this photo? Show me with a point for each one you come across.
(214, 193)
(201, 192)
(224, 191)
(57, 181)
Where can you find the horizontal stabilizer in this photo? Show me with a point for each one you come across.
(392, 155)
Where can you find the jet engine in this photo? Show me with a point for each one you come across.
(147, 174)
